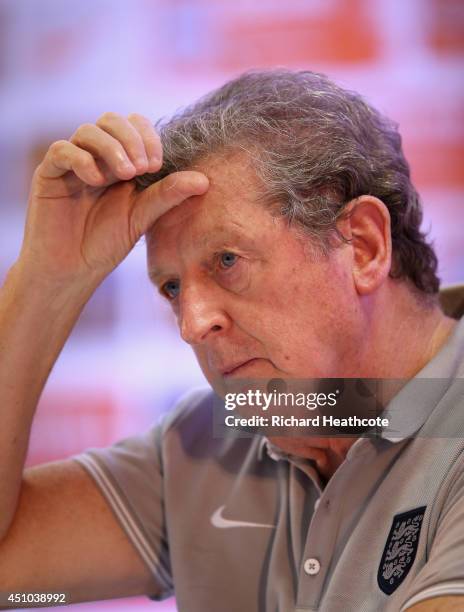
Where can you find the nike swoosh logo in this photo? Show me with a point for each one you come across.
(217, 520)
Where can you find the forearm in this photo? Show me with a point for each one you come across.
(84, 216)
(35, 322)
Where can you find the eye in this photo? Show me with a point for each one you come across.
(170, 289)
(227, 259)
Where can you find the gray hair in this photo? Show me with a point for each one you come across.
(315, 147)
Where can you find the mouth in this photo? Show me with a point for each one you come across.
(238, 368)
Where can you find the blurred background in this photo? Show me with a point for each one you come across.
(65, 62)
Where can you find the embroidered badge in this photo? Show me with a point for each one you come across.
(400, 550)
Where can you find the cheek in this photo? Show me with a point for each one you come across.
(304, 329)
(201, 356)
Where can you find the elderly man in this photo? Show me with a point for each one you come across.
(283, 228)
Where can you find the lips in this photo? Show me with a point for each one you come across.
(232, 369)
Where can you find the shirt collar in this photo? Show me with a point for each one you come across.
(413, 404)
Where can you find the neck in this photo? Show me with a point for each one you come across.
(405, 333)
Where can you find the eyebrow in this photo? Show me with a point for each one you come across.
(211, 242)
(155, 275)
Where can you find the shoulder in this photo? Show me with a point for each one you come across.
(194, 408)
(191, 401)
(193, 434)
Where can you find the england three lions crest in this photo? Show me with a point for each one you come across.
(400, 550)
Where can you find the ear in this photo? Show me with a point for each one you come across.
(367, 224)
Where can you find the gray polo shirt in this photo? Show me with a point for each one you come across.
(234, 525)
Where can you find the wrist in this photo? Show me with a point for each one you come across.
(27, 282)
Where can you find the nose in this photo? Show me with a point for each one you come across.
(201, 313)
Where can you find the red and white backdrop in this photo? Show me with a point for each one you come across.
(63, 63)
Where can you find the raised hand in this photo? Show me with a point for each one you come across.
(85, 213)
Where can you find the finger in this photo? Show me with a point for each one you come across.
(122, 130)
(151, 140)
(63, 156)
(164, 195)
(103, 146)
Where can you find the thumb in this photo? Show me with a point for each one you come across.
(163, 195)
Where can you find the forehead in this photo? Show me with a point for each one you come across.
(228, 210)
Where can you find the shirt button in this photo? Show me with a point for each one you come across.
(312, 566)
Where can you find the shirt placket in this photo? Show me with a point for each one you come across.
(322, 536)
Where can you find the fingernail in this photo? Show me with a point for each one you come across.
(126, 167)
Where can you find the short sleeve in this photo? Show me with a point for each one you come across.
(130, 476)
(443, 574)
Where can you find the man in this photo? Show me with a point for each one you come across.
(283, 228)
